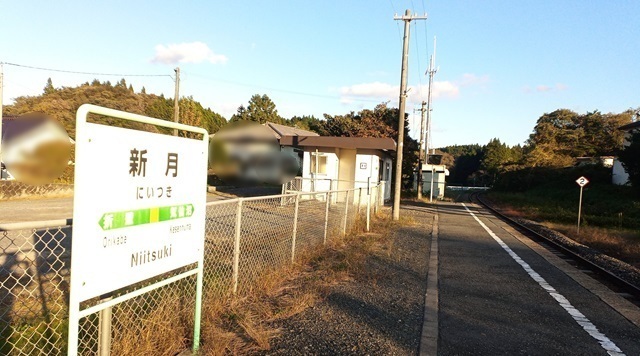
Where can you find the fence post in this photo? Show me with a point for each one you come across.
(236, 246)
(326, 217)
(359, 202)
(368, 203)
(104, 331)
(295, 228)
(346, 212)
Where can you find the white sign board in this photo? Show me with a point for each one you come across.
(582, 181)
(139, 208)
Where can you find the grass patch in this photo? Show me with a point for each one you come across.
(610, 218)
(603, 205)
(622, 244)
(243, 323)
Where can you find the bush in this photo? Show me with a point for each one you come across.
(529, 178)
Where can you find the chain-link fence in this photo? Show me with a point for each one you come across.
(11, 189)
(244, 238)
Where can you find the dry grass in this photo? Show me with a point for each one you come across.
(623, 244)
(139, 332)
(243, 324)
(618, 243)
(19, 191)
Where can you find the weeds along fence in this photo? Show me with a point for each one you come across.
(245, 238)
(11, 189)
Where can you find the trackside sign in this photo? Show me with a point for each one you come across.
(139, 206)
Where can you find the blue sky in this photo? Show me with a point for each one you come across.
(502, 64)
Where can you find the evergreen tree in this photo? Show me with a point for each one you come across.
(48, 88)
(261, 109)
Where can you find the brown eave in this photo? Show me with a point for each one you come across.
(373, 143)
(631, 126)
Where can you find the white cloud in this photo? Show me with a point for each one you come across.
(546, 88)
(377, 73)
(385, 91)
(370, 90)
(543, 88)
(194, 52)
(469, 79)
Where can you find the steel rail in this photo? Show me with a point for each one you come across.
(602, 271)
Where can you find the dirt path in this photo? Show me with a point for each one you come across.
(379, 311)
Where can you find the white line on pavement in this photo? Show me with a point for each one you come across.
(582, 320)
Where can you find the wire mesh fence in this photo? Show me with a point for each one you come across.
(10, 189)
(244, 238)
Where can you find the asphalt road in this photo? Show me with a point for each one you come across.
(38, 209)
(491, 305)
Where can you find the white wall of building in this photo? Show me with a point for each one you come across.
(439, 179)
(344, 166)
(323, 180)
(619, 175)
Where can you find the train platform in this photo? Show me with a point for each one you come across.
(499, 293)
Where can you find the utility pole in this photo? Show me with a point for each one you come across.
(176, 101)
(422, 152)
(431, 71)
(407, 18)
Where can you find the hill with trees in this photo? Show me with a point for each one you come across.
(62, 104)
(557, 140)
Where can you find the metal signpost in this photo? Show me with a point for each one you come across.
(582, 181)
(139, 212)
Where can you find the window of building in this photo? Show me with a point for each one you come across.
(318, 163)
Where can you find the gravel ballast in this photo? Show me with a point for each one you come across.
(379, 311)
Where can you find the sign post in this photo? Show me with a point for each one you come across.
(139, 213)
(582, 181)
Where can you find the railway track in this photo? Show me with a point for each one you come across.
(602, 274)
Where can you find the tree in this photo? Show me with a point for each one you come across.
(310, 123)
(121, 84)
(382, 121)
(192, 113)
(48, 88)
(563, 135)
(496, 155)
(630, 159)
(467, 161)
(261, 109)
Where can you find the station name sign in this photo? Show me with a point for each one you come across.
(139, 206)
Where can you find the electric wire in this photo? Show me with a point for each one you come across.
(85, 73)
(332, 97)
(397, 24)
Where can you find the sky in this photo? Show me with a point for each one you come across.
(501, 64)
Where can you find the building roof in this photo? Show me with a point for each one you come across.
(631, 126)
(282, 130)
(374, 143)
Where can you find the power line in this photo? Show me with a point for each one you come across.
(395, 12)
(419, 71)
(87, 73)
(332, 97)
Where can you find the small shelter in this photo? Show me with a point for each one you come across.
(433, 177)
(330, 162)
